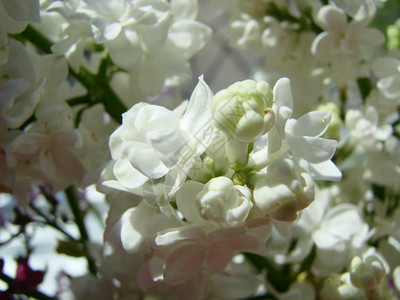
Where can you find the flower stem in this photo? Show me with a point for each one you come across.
(97, 85)
(76, 211)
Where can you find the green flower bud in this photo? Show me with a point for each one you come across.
(366, 273)
(243, 110)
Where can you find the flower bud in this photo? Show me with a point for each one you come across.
(366, 273)
(219, 201)
(286, 189)
(243, 110)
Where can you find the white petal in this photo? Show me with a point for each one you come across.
(190, 36)
(10, 90)
(283, 93)
(184, 9)
(197, 119)
(331, 18)
(343, 221)
(132, 232)
(185, 200)
(172, 146)
(312, 149)
(125, 50)
(19, 63)
(23, 10)
(314, 123)
(128, 175)
(155, 35)
(326, 170)
(147, 162)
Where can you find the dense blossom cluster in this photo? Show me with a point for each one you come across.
(283, 186)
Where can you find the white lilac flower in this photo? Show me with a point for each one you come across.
(343, 38)
(154, 141)
(300, 139)
(219, 201)
(75, 36)
(29, 82)
(365, 128)
(387, 69)
(345, 47)
(342, 233)
(141, 37)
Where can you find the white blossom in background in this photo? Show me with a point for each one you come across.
(51, 142)
(30, 80)
(15, 15)
(141, 37)
(346, 45)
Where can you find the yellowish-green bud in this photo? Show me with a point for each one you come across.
(243, 110)
(366, 273)
(393, 36)
(335, 125)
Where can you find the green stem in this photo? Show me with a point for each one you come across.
(33, 293)
(97, 85)
(76, 211)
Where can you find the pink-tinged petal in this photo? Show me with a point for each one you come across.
(193, 289)
(143, 278)
(245, 243)
(283, 93)
(314, 123)
(219, 257)
(128, 175)
(326, 170)
(312, 149)
(184, 263)
(181, 234)
(67, 166)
